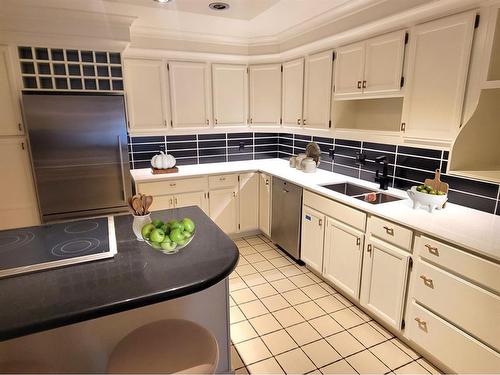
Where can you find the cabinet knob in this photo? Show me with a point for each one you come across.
(234, 194)
(389, 231)
(433, 250)
(422, 324)
(22, 145)
(364, 84)
(208, 122)
(175, 200)
(20, 127)
(359, 84)
(171, 201)
(303, 121)
(215, 121)
(298, 121)
(358, 241)
(427, 281)
(222, 178)
(320, 222)
(369, 249)
(172, 184)
(267, 182)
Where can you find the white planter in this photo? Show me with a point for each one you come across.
(138, 223)
(427, 200)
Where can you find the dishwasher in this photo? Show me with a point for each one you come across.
(286, 216)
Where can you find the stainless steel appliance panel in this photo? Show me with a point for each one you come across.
(286, 215)
(79, 150)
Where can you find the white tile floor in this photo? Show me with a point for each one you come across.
(284, 319)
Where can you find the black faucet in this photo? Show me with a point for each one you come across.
(384, 179)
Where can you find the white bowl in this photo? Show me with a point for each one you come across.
(429, 200)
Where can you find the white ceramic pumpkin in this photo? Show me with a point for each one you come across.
(163, 161)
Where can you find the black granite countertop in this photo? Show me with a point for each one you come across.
(137, 276)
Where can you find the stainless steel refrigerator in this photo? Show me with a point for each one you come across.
(78, 147)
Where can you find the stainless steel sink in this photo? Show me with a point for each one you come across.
(349, 189)
(379, 198)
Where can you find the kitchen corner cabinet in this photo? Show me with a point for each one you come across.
(224, 208)
(265, 203)
(10, 121)
(372, 68)
(317, 90)
(248, 201)
(312, 241)
(19, 209)
(384, 281)
(230, 94)
(343, 255)
(293, 93)
(439, 54)
(265, 95)
(147, 94)
(189, 94)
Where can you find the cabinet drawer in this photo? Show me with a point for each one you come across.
(222, 181)
(457, 350)
(474, 268)
(458, 301)
(390, 232)
(338, 211)
(173, 186)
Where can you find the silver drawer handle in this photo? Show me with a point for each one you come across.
(369, 248)
(389, 231)
(222, 179)
(358, 241)
(433, 250)
(320, 222)
(234, 194)
(173, 184)
(427, 281)
(267, 182)
(422, 324)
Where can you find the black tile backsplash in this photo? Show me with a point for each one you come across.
(409, 165)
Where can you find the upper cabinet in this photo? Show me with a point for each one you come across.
(372, 68)
(293, 92)
(317, 90)
(189, 94)
(10, 121)
(265, 94)
(147, 95)
(230, 94)
(438, 56)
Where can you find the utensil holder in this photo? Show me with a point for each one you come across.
(138, 223)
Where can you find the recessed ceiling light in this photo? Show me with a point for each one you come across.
(162, 1)
(218, 6)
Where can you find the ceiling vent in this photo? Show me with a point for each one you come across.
(218, 6)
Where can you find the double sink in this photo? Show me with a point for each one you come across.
(362, 193)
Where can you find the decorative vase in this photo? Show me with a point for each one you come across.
(138, 223)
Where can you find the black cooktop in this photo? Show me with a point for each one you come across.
(52, 245)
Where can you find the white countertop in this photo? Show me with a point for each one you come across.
(471, 229)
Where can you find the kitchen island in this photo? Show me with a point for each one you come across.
(112, 297)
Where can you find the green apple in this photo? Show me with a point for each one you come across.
(182, 242)
(187, 234)
(177, 225)
(157, 235)
(146, 230)
(176, 235)
(155, 245)
(165, 228)
(157, 223)
(168, 246)
(188, 224)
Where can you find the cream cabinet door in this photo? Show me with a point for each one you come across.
(384, 58)
(249, 201)
(385, 276)
(293, 92)
(343, 255)
(349, 69)
(312, 239)
(198, 198)
(19, 208)
(162, 202)
(189, 94)
(10, 119)
(265, 203)
(230, 98)
(318, 87)
(265, 94)
(438, 56)
(224, 209)
(146, 94)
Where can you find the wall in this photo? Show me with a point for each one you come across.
(408, 166)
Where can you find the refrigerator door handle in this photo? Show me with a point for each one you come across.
(121, 168)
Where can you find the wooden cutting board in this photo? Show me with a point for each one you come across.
(436, 182)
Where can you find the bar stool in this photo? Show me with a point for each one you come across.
(166, 346)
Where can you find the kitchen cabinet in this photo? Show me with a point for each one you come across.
(230, 94)
(293, 93)
(265, 94)
(343, 255)
(248, 201)
(317, 90)
(189, 94)
(19, 209)
(10, 121)
(265, 203)
(439, 53)
(198, 198)
(371, 68)
(383, 284)
(224, 208)
(312, 239)
(147, 94)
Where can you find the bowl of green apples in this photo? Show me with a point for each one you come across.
(169, 237)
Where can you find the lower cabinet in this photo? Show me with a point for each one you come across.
(198, 198)
(343, 255)
(312, 241)
(224, 209)
(384, 281)
(265, 203)
(248, 201)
